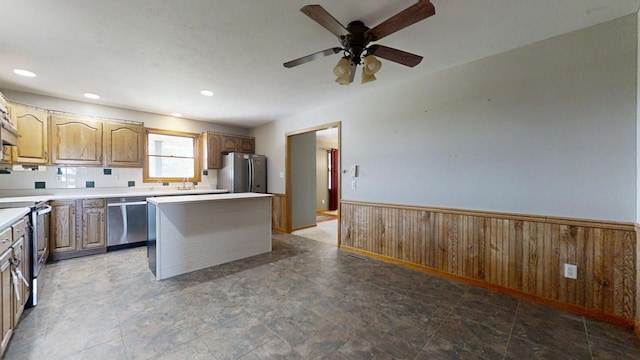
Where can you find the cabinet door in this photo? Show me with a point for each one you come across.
(229, 143)
(19, 255)
(123, 144)
(214, 159)
(93, 229)
(247, 145)
(32, 126)
(76, 141)
(6, 298)
(62, 226)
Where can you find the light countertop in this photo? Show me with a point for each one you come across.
(107, 193)
(162, 200)
(9, 216)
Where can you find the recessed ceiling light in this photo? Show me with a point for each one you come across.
(206, 92)
(92, 96)
(22, 72)
(176, 114)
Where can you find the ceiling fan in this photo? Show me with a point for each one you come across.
(356, 37)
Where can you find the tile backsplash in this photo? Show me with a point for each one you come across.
(68, 177)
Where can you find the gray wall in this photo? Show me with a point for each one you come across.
(546, 129)
(303, 184)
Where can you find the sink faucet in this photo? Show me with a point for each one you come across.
(184, 184)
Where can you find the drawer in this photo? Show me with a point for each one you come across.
(5, 239)
(18, 247)
(19, 228)
(93, 203)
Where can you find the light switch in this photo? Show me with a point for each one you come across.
(353, 184)
(281, 175)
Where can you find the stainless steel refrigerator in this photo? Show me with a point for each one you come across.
(243, 173)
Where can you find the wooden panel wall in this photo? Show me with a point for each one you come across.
(521, 253)
(278, 212)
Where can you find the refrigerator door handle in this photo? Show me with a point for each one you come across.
(250, 175)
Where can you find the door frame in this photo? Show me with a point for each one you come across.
(288, 155)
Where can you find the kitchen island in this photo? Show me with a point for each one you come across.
(188, 233)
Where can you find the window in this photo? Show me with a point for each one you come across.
(171, 156)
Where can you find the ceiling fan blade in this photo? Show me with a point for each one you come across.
(395, 55)
(314, 56)
(326, 20)
(409, 16)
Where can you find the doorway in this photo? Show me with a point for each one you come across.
(313, 169)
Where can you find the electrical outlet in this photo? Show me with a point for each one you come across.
(353, 184)
(570, 271)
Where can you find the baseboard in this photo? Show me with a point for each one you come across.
(75, 254)
(304, 227)
(579, 310)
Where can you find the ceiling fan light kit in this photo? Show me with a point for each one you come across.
(343, 71)
(355, 40)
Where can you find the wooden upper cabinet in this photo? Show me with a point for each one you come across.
(232, 143)
(214, 160)
(218, 144)
(32, 126)
(76, 141)
(123, 144)
(247, 145)
(229, 143)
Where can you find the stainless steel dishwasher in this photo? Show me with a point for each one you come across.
(126, 222)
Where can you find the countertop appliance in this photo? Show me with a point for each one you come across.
(38, 245)
(243, 173)
(126, 222)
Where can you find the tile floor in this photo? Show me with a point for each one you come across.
(305, 300)
(324, 231)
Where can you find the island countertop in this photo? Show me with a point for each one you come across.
(201, 198)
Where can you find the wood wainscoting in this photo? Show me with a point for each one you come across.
(517, 254)
(278, 212)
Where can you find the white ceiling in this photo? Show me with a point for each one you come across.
(156, 55)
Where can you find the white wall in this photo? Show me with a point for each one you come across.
(547, 129)
(149, 119)
(303, 186)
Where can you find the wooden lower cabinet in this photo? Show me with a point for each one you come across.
(6, 298)
(13, 291)
(62, 227)
(77, 228)
(93, 233)
(19, 263)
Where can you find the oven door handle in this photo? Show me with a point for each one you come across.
(127, 203)
(45, 210)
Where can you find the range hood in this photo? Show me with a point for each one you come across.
(8, 131)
